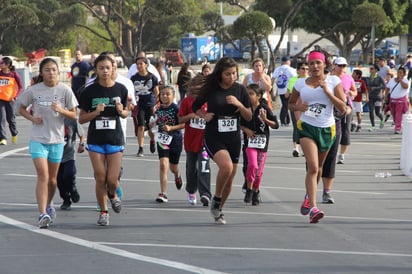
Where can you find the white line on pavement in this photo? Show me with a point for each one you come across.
(107, 249)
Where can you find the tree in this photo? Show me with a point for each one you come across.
(332, 19)
(255, 26)
(369, 15)
(141, 25)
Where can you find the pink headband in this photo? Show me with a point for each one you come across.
(316, 55)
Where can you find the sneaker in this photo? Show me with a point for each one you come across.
(162, 198)
(3, 142)
(372, 129)
(248, 196)
(14, 139)
(220, 220)
(51, 211)
(103, 219)
(179, 182)
(244, 187)
(397, 132)
(327, 199)
(152, 146)
(358, 128)
(205, 200)
(352, 127)
(382, 124)
(140, 153)
(387, 118)
(305, 207)
(341, 159)
(215, 208)
(116, 204)
(295, 153)
(256, 198)
(44, 220)
(191, 198)
(66, 205)
(75, 196)
(119, 192)
(315, 215)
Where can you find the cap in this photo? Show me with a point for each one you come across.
(340, 61)
(285, 58)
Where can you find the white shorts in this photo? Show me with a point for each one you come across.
(357, 106)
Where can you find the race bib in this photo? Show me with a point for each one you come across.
(227, 124)
(257, 141)
(163, 138)
(198, 123)
(106, 123)
(315, 110)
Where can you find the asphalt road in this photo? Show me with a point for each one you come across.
(367, 230)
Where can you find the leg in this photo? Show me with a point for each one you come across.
(42, 189)
(11, 118)
(164, 168)
(191, 172)
(98, 162)
(203, 174)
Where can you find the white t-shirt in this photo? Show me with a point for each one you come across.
(396, 90)
(40, 96)
(281, 75)
(320, 111)
(150, 68)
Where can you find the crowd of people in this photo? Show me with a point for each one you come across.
(214, 117)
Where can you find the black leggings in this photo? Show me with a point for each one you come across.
(375, 109)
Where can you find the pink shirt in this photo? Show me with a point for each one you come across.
(347, 83)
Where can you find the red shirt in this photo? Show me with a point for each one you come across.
(363, 88)
(193, 138)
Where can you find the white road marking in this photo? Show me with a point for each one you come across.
(10, 152)
(106, 249)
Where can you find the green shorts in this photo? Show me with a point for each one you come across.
(323, 136)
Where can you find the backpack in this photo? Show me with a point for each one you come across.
(281, 81)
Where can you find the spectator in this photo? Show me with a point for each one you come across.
(80, 72)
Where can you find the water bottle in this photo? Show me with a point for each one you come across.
(382, 174)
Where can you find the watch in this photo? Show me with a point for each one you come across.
(81, 144)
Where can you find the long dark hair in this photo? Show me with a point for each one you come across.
(39, 78)
(204, 84)
(8, 62)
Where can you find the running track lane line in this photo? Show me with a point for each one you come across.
(106, 249)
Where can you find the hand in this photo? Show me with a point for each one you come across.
(56, 106)
(208, 116)
(119, 108)
(100, 107)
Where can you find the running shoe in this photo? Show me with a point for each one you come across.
(66, 205)
(341, 159)
(103, 219)
(191, 198)
(220, 220)
(44, 220)
(140, 153)
(14, 139)
(352, 127)
(74, 195)
(205, 200)
(256, 198)
(382, 124)
(162, 198)
(397, 132)
(116, 204)
(3, 142)
(295, 153)
(51, 211)
(305, 207)
(215, 208)
(372, 129)
(327, 199)
(315, 215)
(179, 182)
(152, 146)
(358, 128)
(248, 196)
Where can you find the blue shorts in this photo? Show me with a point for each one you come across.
(52, 152)
(104, 149)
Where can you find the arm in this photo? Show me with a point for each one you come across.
(23, 111)
(185, 118)
(68, 113)
(85, 117)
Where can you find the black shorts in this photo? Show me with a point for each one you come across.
(142, 118)
(214, 143)
(171, 151)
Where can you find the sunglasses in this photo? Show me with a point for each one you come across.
(305, 68)
(341, 66)
(371, 68)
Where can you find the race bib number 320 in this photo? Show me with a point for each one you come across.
(227, 124)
